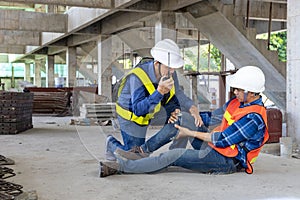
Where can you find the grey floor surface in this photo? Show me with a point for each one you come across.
(60, 162)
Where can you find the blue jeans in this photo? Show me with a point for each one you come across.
(161, 138)
(204, 160)
(201, 158)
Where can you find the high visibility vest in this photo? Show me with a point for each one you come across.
(234, 113)
(129, 115)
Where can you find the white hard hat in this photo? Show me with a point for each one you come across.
(168, 53)
(249, 78)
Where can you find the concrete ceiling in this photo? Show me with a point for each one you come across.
(20, 28)
(22, 32)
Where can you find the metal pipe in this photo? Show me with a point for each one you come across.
(248, 13)
(208, 64)
(270, 26)
(222, 82)
(198, 56)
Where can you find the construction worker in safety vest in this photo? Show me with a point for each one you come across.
(231, 147)
(150, 92)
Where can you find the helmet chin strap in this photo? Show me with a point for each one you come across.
(159, 69)
(245, 95)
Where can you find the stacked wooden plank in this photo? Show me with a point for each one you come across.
(50, 102)
(100, 111)
(15, 112)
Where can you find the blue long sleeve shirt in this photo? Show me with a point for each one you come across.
(247, 133)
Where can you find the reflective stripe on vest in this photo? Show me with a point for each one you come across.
(129, 115)
(234, 113)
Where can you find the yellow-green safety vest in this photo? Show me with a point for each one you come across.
(129, 115)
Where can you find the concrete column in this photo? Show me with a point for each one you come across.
(194, 93)
(13, 84)
(50, 71)
(72, 66)
(104, 68)
(165, 26)
(293, 71)
(37, 73)
(51, 9)
(27, 72)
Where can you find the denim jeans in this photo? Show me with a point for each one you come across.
(204, 160)
(201, 158)
(188, 122)
(161, 138)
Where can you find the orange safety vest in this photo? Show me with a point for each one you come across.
(234, 113)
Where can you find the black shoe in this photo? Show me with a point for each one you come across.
(108, 168)
(133, 154)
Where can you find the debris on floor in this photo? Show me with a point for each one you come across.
(90, 122)
(9, 190)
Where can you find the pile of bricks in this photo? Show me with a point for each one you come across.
(15, 112)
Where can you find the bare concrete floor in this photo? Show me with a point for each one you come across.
(60, 161)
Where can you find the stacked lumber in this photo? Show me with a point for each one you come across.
(100, 111)
(15, 112)
(50, 102)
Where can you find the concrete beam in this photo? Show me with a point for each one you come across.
(143, 6)
(77, 3)
(32, 21)
(19, 38)
(274, 1)
(121, 21)
(176, 4)
(12, 49)
(76, 40)
(93, 29)
(42, 51)
(56, 50)
(17, 5)
(261, 9)
(262, 26)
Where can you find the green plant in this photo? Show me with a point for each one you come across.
(278, 43)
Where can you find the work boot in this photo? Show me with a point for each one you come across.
(133, 154)
(108, 154)
(108, 168)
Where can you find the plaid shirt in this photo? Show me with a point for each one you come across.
(247, 133)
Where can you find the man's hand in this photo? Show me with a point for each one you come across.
(174, 116)
(195, 113)
(164, 86)
(183, 132)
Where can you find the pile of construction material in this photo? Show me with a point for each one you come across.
(15, 112)
(100, 111)
(10, 190)
(51, 102)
